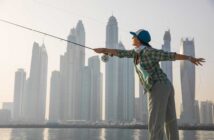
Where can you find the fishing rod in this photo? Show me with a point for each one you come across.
(104, 57)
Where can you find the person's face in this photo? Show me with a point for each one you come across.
(135, 41)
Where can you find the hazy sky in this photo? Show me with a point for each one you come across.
(184, 18)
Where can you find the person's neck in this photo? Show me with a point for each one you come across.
(138, 46)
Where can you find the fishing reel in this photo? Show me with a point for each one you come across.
(105, 57)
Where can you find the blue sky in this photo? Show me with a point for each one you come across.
(184, 18)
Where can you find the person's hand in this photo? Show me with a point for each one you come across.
(197, 61)
(99, 50)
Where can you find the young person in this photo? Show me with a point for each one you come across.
(161, 103)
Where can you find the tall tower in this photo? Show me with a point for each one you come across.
(112, 33)
(206, 116)
(79, 57)
(67, 64)
(187, 82)
(86, 94)
(130, 87)
(126, 90)
(54, 97)
(197, 112)
(19, 88)
(72, 64)
(111, 70)
(34, 103)
(167, 65)
(96, 89)
(80, 38)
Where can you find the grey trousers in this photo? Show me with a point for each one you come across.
(161, 109)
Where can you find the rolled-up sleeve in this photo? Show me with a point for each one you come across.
(125, 53)
(160, 55)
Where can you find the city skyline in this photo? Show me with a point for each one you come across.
(74, 35)
(60, 82)
(21, 52)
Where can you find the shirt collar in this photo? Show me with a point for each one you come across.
(139, 48)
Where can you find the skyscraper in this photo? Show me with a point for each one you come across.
(72, 64)
(206, 115)
(119, 85)
(130, 87)
(196, 112)
(96, 89)
(111, 70)
(187, 82)
(86, 94)
(19, 88)
(125, 105)
(92, 91)
(34, 100)
(54, 108)
(167, 65)
(112, 33)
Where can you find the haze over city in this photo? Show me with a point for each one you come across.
(184, 19)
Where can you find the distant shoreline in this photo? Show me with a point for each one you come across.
(199, 127)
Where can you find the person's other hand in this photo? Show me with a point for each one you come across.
(197, 61)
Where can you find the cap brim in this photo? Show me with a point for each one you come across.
(133, 33)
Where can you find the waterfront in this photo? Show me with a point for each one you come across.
(92, 134)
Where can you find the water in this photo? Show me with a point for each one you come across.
(92, 134)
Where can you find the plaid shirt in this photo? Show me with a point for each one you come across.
(147, 64)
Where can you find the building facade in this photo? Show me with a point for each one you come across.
(206, 112)
(72, 64)
(54, 105)
(34, 98)
(166, 66)
(119, 79)
(111, 72)
(19, 88)
(187, 70)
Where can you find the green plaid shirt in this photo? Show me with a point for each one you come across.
(147, 64)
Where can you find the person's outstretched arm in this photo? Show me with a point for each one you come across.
(115, 52)
(196, 61)
(161, 55)
(106, 51)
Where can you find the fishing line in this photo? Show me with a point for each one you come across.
(46, 34)
(104, 57)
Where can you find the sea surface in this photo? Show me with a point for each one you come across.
(92, 134)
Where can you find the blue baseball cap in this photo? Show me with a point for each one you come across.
(142, 35)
